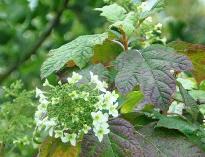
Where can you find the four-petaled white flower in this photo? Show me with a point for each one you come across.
(111, 97)
(54, 101)
(50, 123)
(101, 130)
(69, 138)
(58, 133)
(86, 128)
(100, 85)
(75, 78)
(99, 117)
(113, 110)
(39, 93)
(47, 84)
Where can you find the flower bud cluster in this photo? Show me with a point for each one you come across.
(68, 111)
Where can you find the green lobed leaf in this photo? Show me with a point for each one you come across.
(150, 68)
(120, 142)
(79, 51)
(113, 12)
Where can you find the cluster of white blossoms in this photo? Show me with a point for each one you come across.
(76, 109)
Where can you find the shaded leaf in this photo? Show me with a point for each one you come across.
(131, 100)
(79, 51)
(106, 52)
(188, 100)
(150, 68)
(194, 132)
(191, 104)
(196, 54)
(166, 143)
(120, 142)
(198, 95)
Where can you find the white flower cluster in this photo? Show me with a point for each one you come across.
(106, 105)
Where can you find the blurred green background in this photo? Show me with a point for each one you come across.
(22, 23)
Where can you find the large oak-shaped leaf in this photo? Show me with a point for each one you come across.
(120, 142)
(79, 52)
(150, 68)
(196, 54)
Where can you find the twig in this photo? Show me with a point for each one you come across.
(38, 43)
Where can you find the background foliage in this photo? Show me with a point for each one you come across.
(30, 28)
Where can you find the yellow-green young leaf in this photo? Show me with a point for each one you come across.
(79, 51)
(132, 99)
(54, 148)
(196, 54)
(113, 12)
(127, 24)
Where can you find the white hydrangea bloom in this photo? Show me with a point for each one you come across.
(69, 138)
(100, 85)
(99, 117)
(158, 26)
(149, 19)
(47, 84)
(40, 118)
(39, 93)
(54, 101)
(43, 100)
(105, 105)
(110, 97)
(75, 78)
(50, 123)
(101, 130)
(86, 128)
(113, 110)
(58, 133)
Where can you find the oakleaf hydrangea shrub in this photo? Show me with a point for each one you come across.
(68, 111)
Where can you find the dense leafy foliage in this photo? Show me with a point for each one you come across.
(123, 92)
(16, 119)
